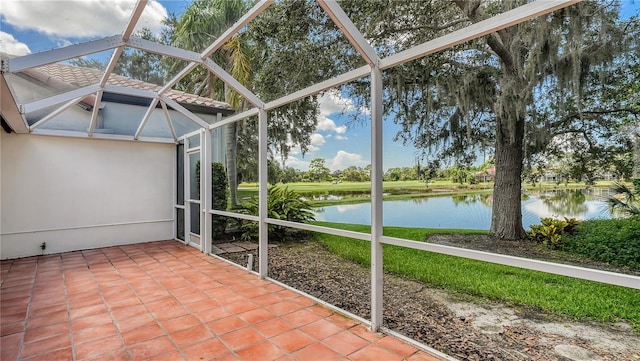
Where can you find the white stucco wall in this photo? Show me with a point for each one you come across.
(82, 193)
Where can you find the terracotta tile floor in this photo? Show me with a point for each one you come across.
(167, 301)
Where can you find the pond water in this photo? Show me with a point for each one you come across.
(472, 211)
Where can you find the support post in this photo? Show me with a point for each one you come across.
(205, 190)
(263, 238)
(187, 192)
(376, 199)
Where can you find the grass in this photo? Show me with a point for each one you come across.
(580, 299)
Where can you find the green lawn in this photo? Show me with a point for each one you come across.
(395, 190)
(561, 295)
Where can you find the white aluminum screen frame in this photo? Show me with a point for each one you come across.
(373, 70)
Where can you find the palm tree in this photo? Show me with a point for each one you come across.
(627, 204)
(201, 23)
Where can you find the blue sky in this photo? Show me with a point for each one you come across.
(38, 25)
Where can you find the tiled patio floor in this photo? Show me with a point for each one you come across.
(167, 301)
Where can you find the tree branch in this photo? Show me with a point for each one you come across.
(476, 14)
(578, 115)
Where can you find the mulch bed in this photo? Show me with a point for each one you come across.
(409, 307)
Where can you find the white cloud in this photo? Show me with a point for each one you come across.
(80, 18)
(10, 45)
(341, 137)
(296, 163)
(329, 125)
(317, 139)
(333, 102)
(344, 159)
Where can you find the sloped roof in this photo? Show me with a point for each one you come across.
(78, 76)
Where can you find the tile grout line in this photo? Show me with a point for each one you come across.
(104, 300)
(67, 303)
(233, 314)
(133, 290)
(144, 304)
(33, 287)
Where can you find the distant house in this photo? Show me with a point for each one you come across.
(488, 175)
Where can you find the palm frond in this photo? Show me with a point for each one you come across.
(623, 200)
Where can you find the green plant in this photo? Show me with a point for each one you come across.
(219, 196)
(615, 241)
(625, 198)
(585, 300)
(551, 231)
(282, 203)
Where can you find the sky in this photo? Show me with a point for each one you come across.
(31, 26)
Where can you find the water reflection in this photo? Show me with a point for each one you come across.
(473, 211)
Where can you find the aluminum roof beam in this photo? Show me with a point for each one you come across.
(133, 20)
(146, 117)
(54, 113)
(163, 49)
(14, 65)
(342, 79)
(233, 83)
(59, 98)
(349, 30)
(179, 108)
(75, 134)
(242, 22)
(168, 119)
(95, 112)
(474, 31)
(10, 110)
(178, 77)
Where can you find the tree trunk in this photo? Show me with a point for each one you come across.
(636, 155)
(231, 151)
(506, 217)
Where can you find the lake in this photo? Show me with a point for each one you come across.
(473, 211)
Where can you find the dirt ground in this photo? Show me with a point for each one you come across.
(462, 328)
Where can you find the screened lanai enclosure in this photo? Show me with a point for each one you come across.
(95, 157)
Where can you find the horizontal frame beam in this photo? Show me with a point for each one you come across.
(235, 118)
(534, 265)
(321, 229)
(247, 217)
(56, 55)
(74, 134)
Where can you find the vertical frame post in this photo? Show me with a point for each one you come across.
(205, 190)
(187, 192)
(263, 237)
(175, 192)
(376, 198)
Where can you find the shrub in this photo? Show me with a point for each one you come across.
(615, 241)
(219, 194)
(551, 231)
(283, 204)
